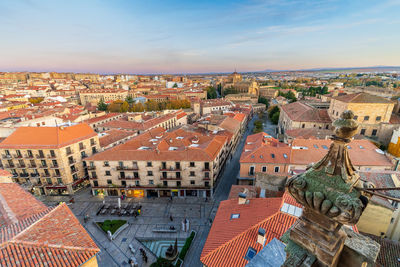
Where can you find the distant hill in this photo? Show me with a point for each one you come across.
(354, 69)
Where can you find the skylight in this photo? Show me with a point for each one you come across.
(144, 148)
(361, 147)
(285, 156)
(315, 146)
(324, 147)
(273, 156)
(179, 137)
(291, 210)
(172, 148)
(251, 252)
(235, 216)
(194, 145)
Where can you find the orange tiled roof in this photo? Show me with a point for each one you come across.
(47, 137)
(35, 235)
(298, 111)
(362, 98)
(113, 135)
(160, 145)
(229, 239)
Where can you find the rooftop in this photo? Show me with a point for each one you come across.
(362, 98)
(299, 111)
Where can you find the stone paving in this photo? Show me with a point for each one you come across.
(155, 212)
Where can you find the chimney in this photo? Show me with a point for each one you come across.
(242, 198)
(261, 236)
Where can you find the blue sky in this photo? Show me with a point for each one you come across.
(196, 36)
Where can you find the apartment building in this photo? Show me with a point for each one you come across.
(48, 160)
(158, 163)
(264, 154)
(93, 96)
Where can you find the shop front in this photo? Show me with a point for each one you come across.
(132, 192)
(165, 193)
(98, 192)
(174, 192)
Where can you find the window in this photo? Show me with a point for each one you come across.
(327, 127)
(92, 142)
(264, 168)
(18, 153)
(178, 175)
(361, 147)
(251, 252)
(235, 216)
(81, 146)
(68, 150)
(149, 173)
(378, 118)
(109, 181)
(122, 174)
(192, 182)
(44, 164)
(163, 165)
(165, 183)
(192, 174)
(192, 164)
(355, 118)
(95, 183)
(108, 173)
(374, 131)
(31, 155)
(59, 180)
(366, 118)
(56, 170)
(276, 169)
(178, 183)
(206, 184)
(315, 146)
(49, 181)
(151, 181)
(206, 165)
(273, 156)
(106, 164)
(362, 132)
(55, 164)
(123, 183)
(149, 164)
(178, 165)
(251, 170)
(135, 175)
(207, 175)
(303, 125)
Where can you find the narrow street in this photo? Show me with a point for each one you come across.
(228, 178)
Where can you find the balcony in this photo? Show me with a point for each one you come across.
(127, 168)
(21, 166)
(206, 178)
(170, 178)
(70, 152)
(10, 166)
(170, 169)
(93, 178)
(29, 156)
(82, 147)
(54, 166)
(71, 161)
(206, 169)
(24, 175)
(91, 168)
(17, 156)
(38, 156)
(74, 171)
(51, 156)
(45, 175)
(33, 175)
(128, 178)
(57, 175)
(43, 166)
(5, 156)
(84, 156)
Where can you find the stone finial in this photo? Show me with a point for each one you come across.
(345, 127)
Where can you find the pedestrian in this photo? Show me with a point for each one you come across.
(170, 217)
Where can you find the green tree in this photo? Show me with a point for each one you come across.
(258, 126)
(101, 105)
(175, 85)
(129, 99)
(275, 118)
(263, 100)
(211, 92)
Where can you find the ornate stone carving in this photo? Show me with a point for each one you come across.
(329, 192)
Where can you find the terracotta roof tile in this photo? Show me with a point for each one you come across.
(299, 111)
(47, 137)
(362, 98)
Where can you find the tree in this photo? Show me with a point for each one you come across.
(258, 126)
(263, 100)
(101, 105)
(175, 85)
(211, 92)
(129, 99)
(272, 111)
(124, 107)
(36, 100)
(275, 117)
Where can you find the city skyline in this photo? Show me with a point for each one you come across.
(192, 37)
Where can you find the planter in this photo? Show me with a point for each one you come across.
(114, 229)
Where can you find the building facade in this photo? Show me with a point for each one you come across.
(49, 160)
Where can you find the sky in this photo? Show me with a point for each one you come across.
(165, 36)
